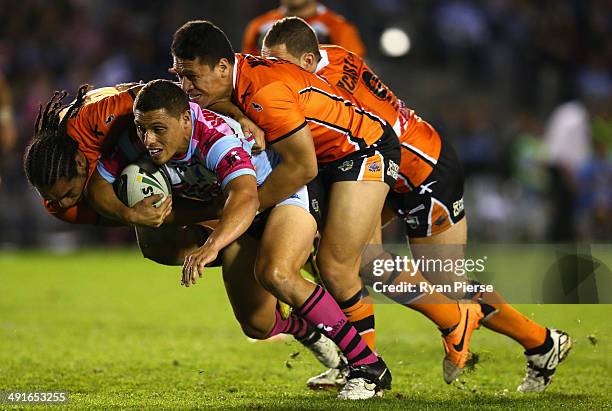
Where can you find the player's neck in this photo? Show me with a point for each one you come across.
(304, 12)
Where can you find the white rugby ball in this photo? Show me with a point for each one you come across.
(139, 181)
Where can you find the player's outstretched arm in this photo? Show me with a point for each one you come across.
(238, 214)
(297, 168)
(103, 199)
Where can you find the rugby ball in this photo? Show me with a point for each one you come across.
(139, 181)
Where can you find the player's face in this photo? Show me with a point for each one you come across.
(306, 61)
(163, 135)
(65, 193)
(204, 85)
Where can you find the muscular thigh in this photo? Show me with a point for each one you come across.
(285, 247)
(169, 244)
(353, 215)
(252, 304)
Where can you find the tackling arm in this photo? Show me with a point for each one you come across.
(297, 168)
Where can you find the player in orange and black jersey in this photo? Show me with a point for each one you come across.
(62, 156)
(430, 187)
(330, 27)
(67, 143)
(317, 133)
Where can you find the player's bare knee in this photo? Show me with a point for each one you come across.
(332, 263)
(254, 331)
(273, 276)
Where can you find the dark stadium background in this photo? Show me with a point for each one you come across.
(487, 74)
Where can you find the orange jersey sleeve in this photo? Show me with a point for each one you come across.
(96, 127)
(281, 96)
(282, 116)
(98, 123)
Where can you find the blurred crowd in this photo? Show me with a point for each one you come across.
(523, 89)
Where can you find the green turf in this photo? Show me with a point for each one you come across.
(117, 331)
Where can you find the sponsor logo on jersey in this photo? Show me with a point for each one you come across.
(425, 187)
(413, 222)
(346, 166)
(109, 119)
(256, 107)
(457, 207)
(393, 170)
(315, 205)
(374, 167)
(233, 158)
(417, 208)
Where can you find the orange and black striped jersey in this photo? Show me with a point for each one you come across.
(96, 127)
(282, 98)
(420, 143)
(329, 26)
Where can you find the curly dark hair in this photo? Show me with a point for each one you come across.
(51, 155)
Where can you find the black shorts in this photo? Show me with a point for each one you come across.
(437, 203)
(379, 162)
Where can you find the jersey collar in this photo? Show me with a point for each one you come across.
(235, 73)
(323, 62)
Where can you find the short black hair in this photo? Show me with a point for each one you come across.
(295, 34)
(202, 39)
(162, 94)
(51, 154)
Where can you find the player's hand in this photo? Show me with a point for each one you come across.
(195, 263)
(248, 127)
(144, 213)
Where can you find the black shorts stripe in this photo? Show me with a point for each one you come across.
(351, 301)
(419, 155)
(284, 136)
(364, 324)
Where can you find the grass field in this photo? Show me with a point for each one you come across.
(115, 331)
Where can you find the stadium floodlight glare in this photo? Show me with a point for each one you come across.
(395, 42)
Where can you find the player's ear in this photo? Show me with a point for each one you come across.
(223, 67)
(308, 61)
(186, 119)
